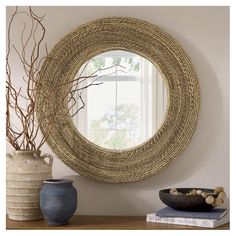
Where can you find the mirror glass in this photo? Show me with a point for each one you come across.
(118, 100)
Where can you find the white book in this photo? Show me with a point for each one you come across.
(208, 223)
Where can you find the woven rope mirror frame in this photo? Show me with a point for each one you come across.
(61, 66)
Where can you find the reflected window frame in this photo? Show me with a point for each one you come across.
(153, 94)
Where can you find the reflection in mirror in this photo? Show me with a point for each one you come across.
(121, 100)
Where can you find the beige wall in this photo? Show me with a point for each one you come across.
(204, 34)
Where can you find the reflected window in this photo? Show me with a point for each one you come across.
(125, 100)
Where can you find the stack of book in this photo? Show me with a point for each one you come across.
(211, 219)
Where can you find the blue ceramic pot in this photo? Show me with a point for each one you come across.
(58, 201)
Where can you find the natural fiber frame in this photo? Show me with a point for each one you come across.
(146, 40)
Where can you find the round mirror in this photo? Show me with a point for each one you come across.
(118, 100)
(139, 141)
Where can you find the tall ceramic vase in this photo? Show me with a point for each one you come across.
(26, 171)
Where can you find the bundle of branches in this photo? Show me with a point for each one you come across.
(22, 129)
(21, 126)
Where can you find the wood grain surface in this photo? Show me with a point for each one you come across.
(103, 222)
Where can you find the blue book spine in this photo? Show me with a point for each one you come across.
(215, 214)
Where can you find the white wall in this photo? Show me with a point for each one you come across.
(204, 34)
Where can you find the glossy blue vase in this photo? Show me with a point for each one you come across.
(58, 201)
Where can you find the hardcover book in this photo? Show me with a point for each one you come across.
(215, 214)
(208, 223)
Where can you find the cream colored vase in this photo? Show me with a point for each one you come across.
(26, 171)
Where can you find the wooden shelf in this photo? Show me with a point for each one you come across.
(101, 222)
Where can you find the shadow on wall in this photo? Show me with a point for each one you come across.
(141, 197)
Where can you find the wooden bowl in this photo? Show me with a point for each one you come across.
(185, 202)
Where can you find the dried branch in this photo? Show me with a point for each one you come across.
(20, 103)
(22, 129)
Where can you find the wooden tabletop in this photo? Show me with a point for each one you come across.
(101, 222)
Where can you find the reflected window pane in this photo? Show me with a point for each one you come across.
(121, 105)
